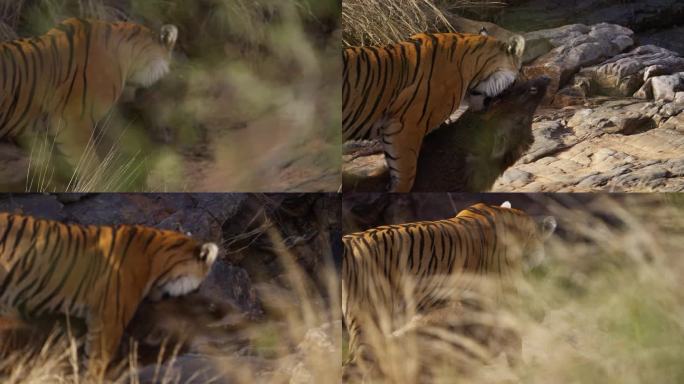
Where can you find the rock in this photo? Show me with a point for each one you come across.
(676, 122)
(561, 35)
(618, 145)
(638, 15)
(230, 285)
(625, 117)
(535, 47)
(202, 215)
(548, 139)
(679, 98)
(624, 74)
(671, 38)
(14, 164)
(665, 87)
(467, 155)
(569, 96)
(577, 46)
(43, 206)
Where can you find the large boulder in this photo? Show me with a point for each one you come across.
(576, 46)
(663, 88)
(624, 74)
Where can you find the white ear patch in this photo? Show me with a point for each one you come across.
(506, 204)
(549, 225)
(516, 45)
(209, 253)
(168, 35)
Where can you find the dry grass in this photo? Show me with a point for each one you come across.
(49, 170)
(605, 307)
(378, 22)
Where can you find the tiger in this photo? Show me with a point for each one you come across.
(96, 273)
(392, 270)
(70, 78)
(399, 93)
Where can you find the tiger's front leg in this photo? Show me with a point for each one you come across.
(102, 341)
(402, 147)
(77, 142)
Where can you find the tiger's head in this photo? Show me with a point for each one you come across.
(153, 60)
(500, 70)
(181, 264)
(521, 236)
(529, 234)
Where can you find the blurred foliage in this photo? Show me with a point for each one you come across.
(245, 73)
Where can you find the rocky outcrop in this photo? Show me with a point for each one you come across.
(615, 145)
(617, 122)
(576, 46)
(666, 88)
(467, 155)
(629, 74)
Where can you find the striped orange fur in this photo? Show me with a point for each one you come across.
(399, 93)
(391, 270)
(98, 273)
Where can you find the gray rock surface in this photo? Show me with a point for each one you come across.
(669, 38)
(638, 15)
(14, 164)
(623, 75)
(576, 46)
(618, 123)
(614, 145)
(666, 87)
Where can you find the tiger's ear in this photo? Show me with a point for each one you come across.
(168, 35)
(516, 45)
(208, 253)
(500, 145)
(548, 227)
(484, 32)
(506, 204)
